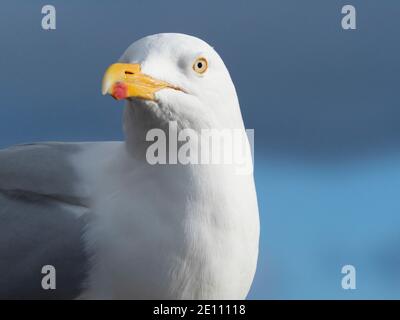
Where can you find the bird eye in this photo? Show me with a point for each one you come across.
(200, 65)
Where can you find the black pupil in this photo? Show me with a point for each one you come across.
(199, 65)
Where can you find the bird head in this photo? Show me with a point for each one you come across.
(174, 77)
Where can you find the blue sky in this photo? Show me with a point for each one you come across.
(323, 102)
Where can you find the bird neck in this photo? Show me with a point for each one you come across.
(146, 125)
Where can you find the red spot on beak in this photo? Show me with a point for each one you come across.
(120, 91)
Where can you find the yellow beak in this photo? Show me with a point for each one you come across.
(124, 80)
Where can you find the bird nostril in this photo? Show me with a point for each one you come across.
(128, 72)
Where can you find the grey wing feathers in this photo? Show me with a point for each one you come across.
(43, 215)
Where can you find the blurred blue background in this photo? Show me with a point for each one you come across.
(324, 104)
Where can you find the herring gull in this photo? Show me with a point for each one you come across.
(115, 226)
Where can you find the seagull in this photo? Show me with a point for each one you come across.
(110, 224)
